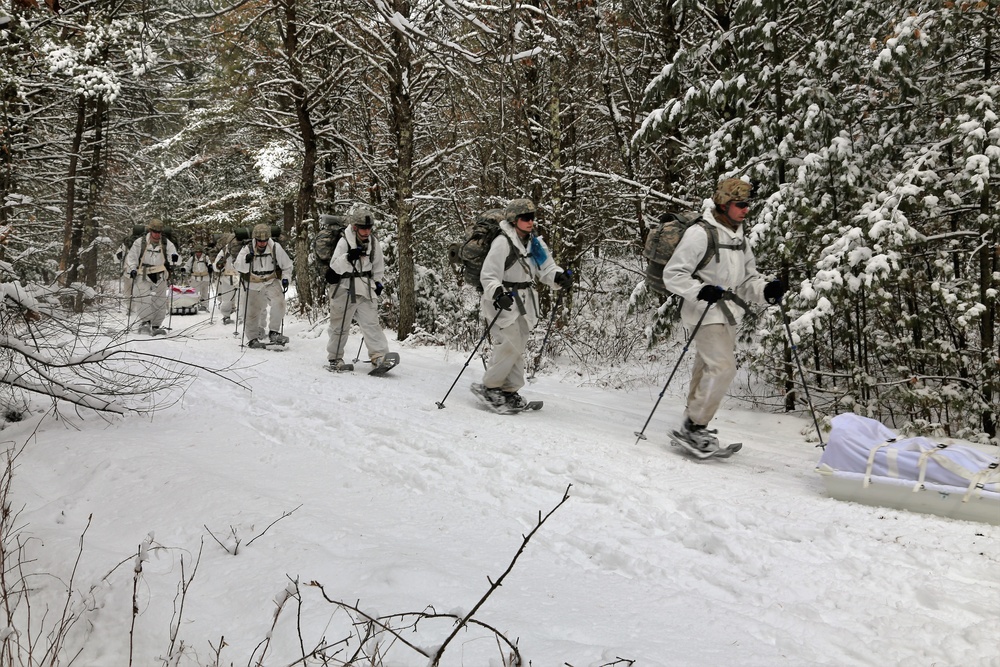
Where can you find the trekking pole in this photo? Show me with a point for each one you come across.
(486, 333)
(805, 387)
(246, 308)
(218, 284)
(236, 324)
(170, 306)
(128, 311)
(548, 329)
(640, 435)
(357, 357)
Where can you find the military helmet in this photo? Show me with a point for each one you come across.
(518, 207)
(731, 189)
(155, 225)
(262, 232)
(361, 217)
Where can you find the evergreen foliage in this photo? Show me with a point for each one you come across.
(871, 131)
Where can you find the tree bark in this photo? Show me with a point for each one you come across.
(69, 261)
(402, 125)
(306, 199)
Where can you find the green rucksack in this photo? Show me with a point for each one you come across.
(331, 230)
(468, 256)
(663, 239)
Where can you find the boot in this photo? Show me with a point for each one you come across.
(701, 438)
(277, 338)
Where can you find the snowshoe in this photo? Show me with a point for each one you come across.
(385, 364)
(276, 338)
(703, 448)
(496, 400)
(261, 344)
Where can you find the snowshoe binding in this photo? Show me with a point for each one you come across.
(338, 366)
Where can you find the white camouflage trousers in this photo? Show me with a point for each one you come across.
(149, 299)
(365, 312)
(714, 370)
(203, 285)
(506, 368)
(226, 294)
(257, 302)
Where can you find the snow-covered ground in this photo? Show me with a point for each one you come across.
(365, 486)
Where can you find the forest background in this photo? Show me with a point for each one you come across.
(869, 128)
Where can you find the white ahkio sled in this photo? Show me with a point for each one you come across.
(865, 462)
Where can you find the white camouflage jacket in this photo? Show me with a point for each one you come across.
(367, 270)
(263, 268)
(526, 270)
(732, 270)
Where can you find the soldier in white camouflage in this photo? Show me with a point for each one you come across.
(265, 268)
(509, 289)
(715, 295)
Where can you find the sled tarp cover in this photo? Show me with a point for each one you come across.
(866, 462)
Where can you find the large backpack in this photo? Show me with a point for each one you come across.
(469, 255)
(331, 230)
(663, 240)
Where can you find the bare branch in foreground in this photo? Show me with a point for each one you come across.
(436, 660)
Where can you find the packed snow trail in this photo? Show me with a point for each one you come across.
(656, 557)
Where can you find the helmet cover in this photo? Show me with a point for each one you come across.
(518, 207)
(731, 189)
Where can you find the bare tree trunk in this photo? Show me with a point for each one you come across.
(69, 260)
(402, 123)
(306, 200)
(95, 185)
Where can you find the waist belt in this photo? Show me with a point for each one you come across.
(510, 285)
(261, 277)
(731, 296)
(356, 274)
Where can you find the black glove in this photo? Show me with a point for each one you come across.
(378, 289)
(132, 274)
(354, 254)
(331, 276)
(710, 293)
(564, 280)
(174, 258)
(221, 264)
(773, 291)
(284, 284)
(502, 300)
(211, 269)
